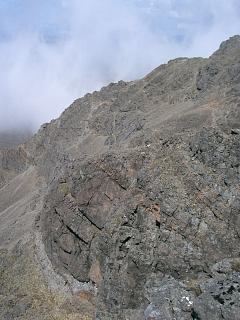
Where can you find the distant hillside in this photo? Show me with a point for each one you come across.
(12, 138)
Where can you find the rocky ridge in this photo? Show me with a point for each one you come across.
(135, 196)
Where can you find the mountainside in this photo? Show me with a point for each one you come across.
(128, 205)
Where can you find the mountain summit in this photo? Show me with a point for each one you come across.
(232, 45)
(127, 206)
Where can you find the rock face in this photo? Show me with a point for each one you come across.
(141, 206)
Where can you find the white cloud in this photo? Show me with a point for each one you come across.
(52, 52)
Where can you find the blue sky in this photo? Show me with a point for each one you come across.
(53, 51)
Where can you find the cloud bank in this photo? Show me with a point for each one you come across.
(54, 51)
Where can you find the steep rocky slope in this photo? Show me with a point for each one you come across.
(134, 195)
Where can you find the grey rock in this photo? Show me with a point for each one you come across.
(170, 299)
(220, 299)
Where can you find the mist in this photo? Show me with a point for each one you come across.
(52, 52)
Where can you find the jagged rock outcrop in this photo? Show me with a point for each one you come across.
(141, 206)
